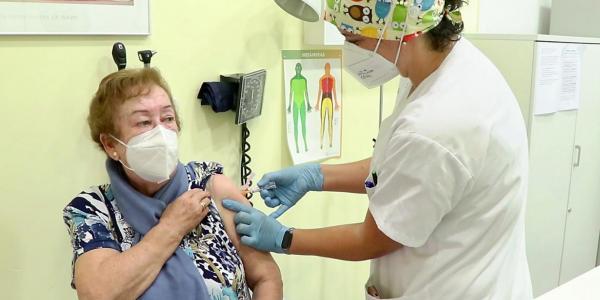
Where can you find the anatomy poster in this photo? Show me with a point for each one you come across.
(313, 103)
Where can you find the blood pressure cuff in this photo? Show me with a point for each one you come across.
(219, 95)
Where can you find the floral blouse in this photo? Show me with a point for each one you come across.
(94, 221)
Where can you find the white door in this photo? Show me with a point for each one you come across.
(550, 166)
(551, 148)
(583, 213)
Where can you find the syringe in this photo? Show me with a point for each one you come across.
(269, 186)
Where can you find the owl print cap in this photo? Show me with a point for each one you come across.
(407, 18)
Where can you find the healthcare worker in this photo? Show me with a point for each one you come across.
(447, 181)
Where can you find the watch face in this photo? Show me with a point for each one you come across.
(251, 96)
(287, 240)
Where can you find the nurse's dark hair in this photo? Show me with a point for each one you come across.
(441, 36)
(114, 90)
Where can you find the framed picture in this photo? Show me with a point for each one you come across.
(74, 17)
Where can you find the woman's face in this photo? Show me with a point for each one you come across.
(387, 49)
(138, 115)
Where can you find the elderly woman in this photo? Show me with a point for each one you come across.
(158, 230)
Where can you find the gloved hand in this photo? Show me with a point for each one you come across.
(292, 184)
(256, 229)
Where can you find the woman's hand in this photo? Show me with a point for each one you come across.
(292, 184)
(186, 212)
(256, 229)
(109, 274)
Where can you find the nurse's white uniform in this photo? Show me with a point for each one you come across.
(451, 169)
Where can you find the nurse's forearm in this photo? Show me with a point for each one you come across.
(355, 242)
(349, 178)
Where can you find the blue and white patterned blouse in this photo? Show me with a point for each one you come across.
(94, 221)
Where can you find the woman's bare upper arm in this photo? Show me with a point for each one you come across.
(89, 263)
(257, 264)
(220, 187)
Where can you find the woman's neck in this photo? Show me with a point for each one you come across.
(425, 61)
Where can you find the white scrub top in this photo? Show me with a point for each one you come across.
(451, 168)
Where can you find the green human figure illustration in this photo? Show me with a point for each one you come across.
(299, 98)
(327, 96)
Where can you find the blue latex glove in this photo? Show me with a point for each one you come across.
(292, 184)
(256, 229)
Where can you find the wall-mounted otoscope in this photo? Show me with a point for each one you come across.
(119, 55)
(145, 56)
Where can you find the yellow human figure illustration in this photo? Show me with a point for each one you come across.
(327, 97)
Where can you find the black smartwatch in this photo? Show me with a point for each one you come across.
(286, 242)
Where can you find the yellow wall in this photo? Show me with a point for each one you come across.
(470, 13)
(47, 157)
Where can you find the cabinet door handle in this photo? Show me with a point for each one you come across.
(598, 255)
(578, 159)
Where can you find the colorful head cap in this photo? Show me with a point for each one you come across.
(369, 17)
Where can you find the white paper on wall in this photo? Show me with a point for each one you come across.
(557, 77)
(571, 57)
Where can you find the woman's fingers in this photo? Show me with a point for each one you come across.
(188, 210)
